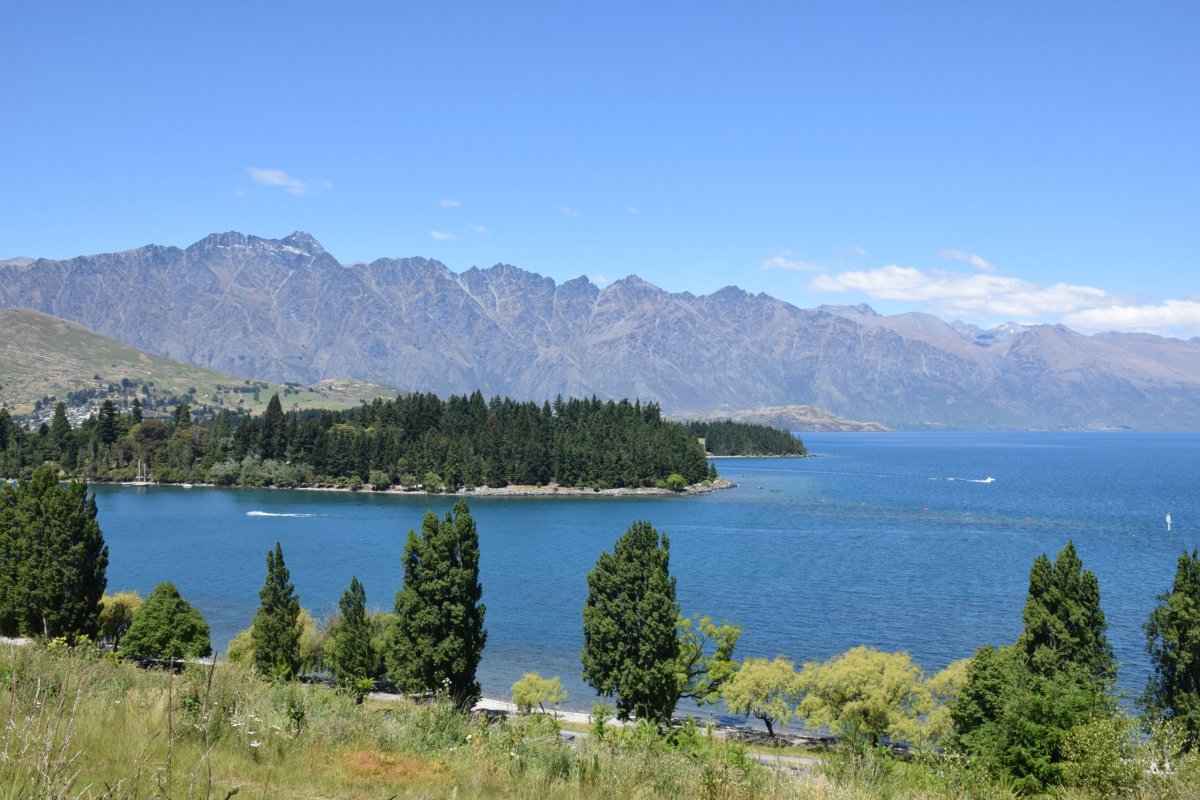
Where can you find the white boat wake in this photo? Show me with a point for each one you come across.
(272, 514)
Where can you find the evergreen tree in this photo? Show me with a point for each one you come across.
(276, 631)
(52, 559)
(167, 626)
(630, 646)
(1173, 641)
(350, 656)
(438, 637)
(272, 444)
(60, 445)
(135, 411)
(106, 429)
(183, 417)
(1064, 625)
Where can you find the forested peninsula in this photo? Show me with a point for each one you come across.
(416, 441)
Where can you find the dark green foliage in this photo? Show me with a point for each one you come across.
(60, 445)
(630, 642)
(275, 633)
(135, 411)
(349, 654)
(183, 417)
(730, 438)
(1015, 722)
(167, 626)
(52, 559)
(466, 441)
(106, 426)
(1064, 624)
(438, 636)
(1020, 703)
(1173, 641)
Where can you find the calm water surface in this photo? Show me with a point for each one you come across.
(899, 541)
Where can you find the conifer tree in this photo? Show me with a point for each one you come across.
(60, 443)
(53, 559)
(167, 626)
(438, 637)
(183, 417)
(272, 444)
(350, 656)
(1173, 641)
(1064, 625)
(630, 646)
(135, 411)
(106, 428)
(276, 631)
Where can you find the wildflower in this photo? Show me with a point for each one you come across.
(255, 743)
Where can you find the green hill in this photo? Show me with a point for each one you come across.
(46, 357)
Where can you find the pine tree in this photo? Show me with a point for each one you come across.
(272, 444)
(1173, 641)
(438, 637)
(106, 429)
(630, 646)
(1064, 625)
(135, 411)
(52, 559)
(350, 656)
(167, 626)
(183, 417)
(276, 630)
(60, 444)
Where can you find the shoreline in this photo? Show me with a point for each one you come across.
(550, 490)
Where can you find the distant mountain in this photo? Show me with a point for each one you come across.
(287, 310)
(44, 356)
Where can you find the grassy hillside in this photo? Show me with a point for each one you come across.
(44, 356)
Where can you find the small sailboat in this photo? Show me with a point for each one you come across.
(142, 478)
(1168, 522)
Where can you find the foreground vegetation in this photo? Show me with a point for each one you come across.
(84, 726)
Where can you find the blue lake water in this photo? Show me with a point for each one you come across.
(894, 540)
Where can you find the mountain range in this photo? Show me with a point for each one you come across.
(287, 310)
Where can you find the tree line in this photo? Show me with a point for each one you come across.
(729, 438)
(416, 440)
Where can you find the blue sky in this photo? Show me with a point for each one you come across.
(982, 161)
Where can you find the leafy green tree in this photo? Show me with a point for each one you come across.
(944, 689)
(1173, 641)
(116, 614)
(349, 657)
(275, 634)
(703, 672)
(1064, 624)
(1020, 704)
(53, 558)
(865, 694)
(630, 643)
(167, 626)
(769, 690)
(534, 690)
(438, 636)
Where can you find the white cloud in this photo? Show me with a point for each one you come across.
(972, 296)
(632, 209)
(599, 280)
(442, 236)
(1171, 317)
(783, 259)
(482, 230)
(857, 250)
(971, 258)
(279, 178)
(569, 212)
(450, 203)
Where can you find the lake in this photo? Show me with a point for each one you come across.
(906, 541)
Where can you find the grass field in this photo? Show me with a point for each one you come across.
(42, 355)
(77, 724)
